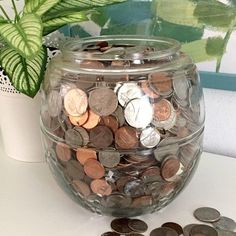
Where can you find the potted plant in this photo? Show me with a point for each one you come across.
(23, 58)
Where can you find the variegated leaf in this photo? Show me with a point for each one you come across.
(25, 75)
(24, 36)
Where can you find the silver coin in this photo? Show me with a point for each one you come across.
(73, 138)
(207, 214)
(117, 200)
(204, 230)
(225, 232)
(163, 231)
(187, 229)
(225, 223)
(181, 86)
(109, 159)
(150, 137)
(66, 87)
(119, 114)
(134, 188)
(127, 92)
(139, 112)
(74, 170)
(84, 134)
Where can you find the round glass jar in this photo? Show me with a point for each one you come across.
(122, 119)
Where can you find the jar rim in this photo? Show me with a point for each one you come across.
(164, 47)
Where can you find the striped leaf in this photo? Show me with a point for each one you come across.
(2, 20)
(24, 36)
(53, 24)
(39, 7)
(25, 75)
(72, 6)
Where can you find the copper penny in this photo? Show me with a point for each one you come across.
(74, 170)
(101, 137)
(92, 121)
(101, 187)
(111, 122)
(138, 226)
(103, 101)
(76, 102)
(142, 201)
(94, 169)
(170, 167)
(81, 187)
(83, 154)
(174, 226)
(110, 234)
(162, 110)
(120, 226)
(63, 152)
(148, 91)
(126, 137)
(79, 120)
(91, 64)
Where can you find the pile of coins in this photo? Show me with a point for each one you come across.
(126, 144)
(223, 226)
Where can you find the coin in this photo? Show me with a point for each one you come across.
(203, 230)
(109, 159)
(92, 121)
(74, 170)
(73, 138)
(207, 214)
(187, 229)
(137, 226)
(225, 232)
(63, 152)
(101, 137)
(79, 120)
(81, 187)
(139, 113)
(121, 226)
(119, 114)
(127, 92)
(126, 137)
(174, 226)
(121, 182)
(84, 134)
(117, 200)
(76, 102)
(225, 223)
(101, 187)
(181, 86)
(83, 154)
(150, 137)
(91, 64)
(169, 167)
(134, 188)
(93, 169)
(54, 103)
(163, 231)
(111, 122)
(103, 101)
(162, 110)
(148, 91)
(110, 234)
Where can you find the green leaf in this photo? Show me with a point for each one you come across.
(39, 7)
(53, 24)
(3, 20)
(25, 75)
(215, 46)
(73, 6)
(25, 36)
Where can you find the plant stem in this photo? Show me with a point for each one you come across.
(5, 14)
(15, 10)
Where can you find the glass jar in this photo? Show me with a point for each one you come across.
(122, 119)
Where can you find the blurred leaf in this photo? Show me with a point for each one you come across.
(100, 17)
(215, 46)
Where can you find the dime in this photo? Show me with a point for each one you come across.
(203, 230)
(81, 187)
(126, 137)
(92, 121)
(163, 231)
(121, 226)
(83, 154)
(187, 229)
(169, 167)
(54, 103)
(174, 226)
(111, 122)
(76, 102)
(207, 214)
(79, 120)
(181, 86)
(101, 187)
(127, 92)
(110, 234)
(63, 152)
(150, 137)
(101, 137)
(137, 226)
(94, 169)
(225, 223)
(117, 200)
(139, 113)
(73, 138)
(109, 159)
(103, 101)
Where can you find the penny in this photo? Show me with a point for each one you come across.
(187, 229)
(143, 201)
(120, 226)
(81, 187)
(163, 231)
(203, 230)
(137, 226)
(151, 174)
(110, 234)
(101, 137)
(139, 113)
(84, 134)
(79, 120)
(207, 214)
(74, 170)
(126, 137)
(225, 223)
(92, 121)
(54, 103)
(150, 137)
(101, 187)
(73, 138)
(121, 182)
(162, 110)
(76, 102)
(103, 101)
(83, 154)
(174, 226)
(94, 169)
(117, 200)
(148, 91)
(111, 122)
(109, 159)
(63, 152)
(170, 167)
